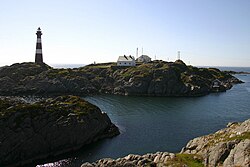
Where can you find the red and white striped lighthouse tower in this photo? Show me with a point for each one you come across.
(39, 53)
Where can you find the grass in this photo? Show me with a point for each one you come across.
(141, 71)
(191, 160)
(243, 136)
(216, 138)
(101, 66)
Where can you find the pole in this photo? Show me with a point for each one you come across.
(136, 52)
(179, 55)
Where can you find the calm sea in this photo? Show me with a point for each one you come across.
(150, 124)
(67, 65)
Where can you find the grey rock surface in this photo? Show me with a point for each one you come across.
(226, 147)
(131, 160)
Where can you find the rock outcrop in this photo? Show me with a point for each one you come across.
(158, 159)
(229, 147)
(157, 78)
(48, 128)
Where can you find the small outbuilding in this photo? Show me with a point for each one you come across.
(218, 86)
(143, 59)
(126, 61)
(216, 83)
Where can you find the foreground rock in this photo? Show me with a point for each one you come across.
(149, 160)
(226, 147)
(157, 78)
(48, 128)
(229, 147)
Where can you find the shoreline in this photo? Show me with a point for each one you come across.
(230, 149)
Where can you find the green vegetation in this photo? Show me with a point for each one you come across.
(61, 106)
(69, 104)
(143, 70)
(53, 73)
(225, 137)
(100, 66)
(19, 71)
(191, 160)
(185, 78)
(23, 111)
(243, 136)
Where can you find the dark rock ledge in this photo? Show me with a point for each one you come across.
(50, 127)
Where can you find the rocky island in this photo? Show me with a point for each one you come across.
(157, 78)
(50, 127)
(237, 72)
(229, 147)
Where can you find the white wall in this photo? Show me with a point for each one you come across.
(126, 63)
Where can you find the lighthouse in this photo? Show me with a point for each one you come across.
(39, 53)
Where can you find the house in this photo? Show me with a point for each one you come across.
(216, 83)
(143, 59)
(218, 86)
(126, 61)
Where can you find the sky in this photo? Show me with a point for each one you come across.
(206, 32)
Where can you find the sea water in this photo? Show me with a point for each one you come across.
(151, 124)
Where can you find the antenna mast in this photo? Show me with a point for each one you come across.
(136, 52)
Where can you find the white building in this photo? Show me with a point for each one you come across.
(126, 61)
(216, 83)
(144, 59)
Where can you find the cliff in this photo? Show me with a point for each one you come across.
(229, 147)
(157, 78)
(48, 128)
